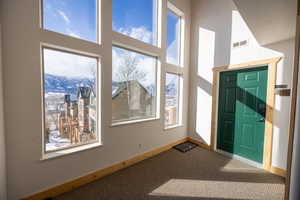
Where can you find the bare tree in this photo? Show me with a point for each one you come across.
(128, 71)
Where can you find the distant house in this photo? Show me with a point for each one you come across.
(86, 108)
(131, 100)
(78, 118)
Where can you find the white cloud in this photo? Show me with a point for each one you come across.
(68, 65)
(64, 16)
(139, 33)
(173, 50)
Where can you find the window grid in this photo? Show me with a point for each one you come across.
(173, 104)
(178, 50)
(69, 52)
(177, 69)
(54, 40)
(116, 113)
(126, 42)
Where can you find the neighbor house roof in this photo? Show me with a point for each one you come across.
(121, 86)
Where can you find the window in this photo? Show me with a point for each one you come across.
(172, 92)
(174, 72)
(133, 85)
(70, 99)
(136, 18)
(73, 18)
(173, 38)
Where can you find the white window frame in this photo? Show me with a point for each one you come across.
(177, 12)
(176, 69)
(65, 43)
(179, 103)
(131, 44)
(157, 99)
(81, 146)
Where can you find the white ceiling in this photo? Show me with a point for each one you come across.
(269, 20)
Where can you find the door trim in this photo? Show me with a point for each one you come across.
(270, 101)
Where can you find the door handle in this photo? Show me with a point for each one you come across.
(261, 119)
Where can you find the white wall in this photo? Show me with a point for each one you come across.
(212, 36)
(27, 174)
(2, 138)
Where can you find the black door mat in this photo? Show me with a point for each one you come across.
(185, 147)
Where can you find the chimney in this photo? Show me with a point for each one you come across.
(83, 111)
(67, 105)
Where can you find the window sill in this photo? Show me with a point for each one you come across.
(114, 124)
(65, 152)
(173, 126)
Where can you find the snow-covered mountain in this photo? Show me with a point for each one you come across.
(60, 84)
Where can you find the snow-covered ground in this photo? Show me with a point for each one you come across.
(56, 141)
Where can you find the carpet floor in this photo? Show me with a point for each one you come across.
(172, 175)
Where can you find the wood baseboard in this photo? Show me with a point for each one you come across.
(278, 171)
(71, 185)
(200, 143)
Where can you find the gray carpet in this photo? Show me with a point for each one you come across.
(172, 175)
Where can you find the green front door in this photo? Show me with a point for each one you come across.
(242, 107)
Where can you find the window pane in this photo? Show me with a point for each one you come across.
(73, 18)
(133, 86)
(173, 39)
(136, 18)
(172, 99)
(70, 99)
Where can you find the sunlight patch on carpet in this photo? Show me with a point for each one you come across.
(218, 189)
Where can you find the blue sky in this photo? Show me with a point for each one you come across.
(129, 15)
(74, 19)
(126, 15)
(173, 28)
(136, 18)
(79, 19)
(173, 20)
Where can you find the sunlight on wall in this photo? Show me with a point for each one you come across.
(206, 53)
(203, 116)
(280, 133)
(253, 51)
(211, 189)
(206, 56)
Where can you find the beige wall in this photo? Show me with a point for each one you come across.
(2, 138)
(27, 174)
(212, 36)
